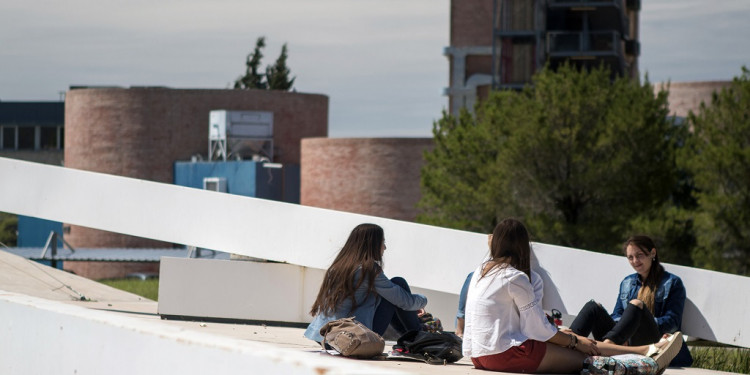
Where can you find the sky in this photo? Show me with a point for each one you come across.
(380, 62)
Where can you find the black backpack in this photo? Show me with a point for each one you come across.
(435, 348)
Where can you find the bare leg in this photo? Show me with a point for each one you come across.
(559, 360)
(565, 361)
(609, 349)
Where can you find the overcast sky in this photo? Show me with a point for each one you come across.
(380, 62)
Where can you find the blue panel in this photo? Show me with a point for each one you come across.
(247, 178)
(58, 264)
(279, 184)
(269, 182)
(33, 232)
(240, 175)
(291, 183)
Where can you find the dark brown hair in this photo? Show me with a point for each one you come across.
(648, 288)
(362, 252)
(510, 246)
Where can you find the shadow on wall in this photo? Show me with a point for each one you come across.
(551, 298)
(698, 322)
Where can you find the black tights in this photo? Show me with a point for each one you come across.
(635, 327)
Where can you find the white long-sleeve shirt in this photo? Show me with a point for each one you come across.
(504, 309)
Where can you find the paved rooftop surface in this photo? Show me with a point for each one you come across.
(20, 275)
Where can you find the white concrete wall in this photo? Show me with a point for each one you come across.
(47, 337)
(428, 257)
(257, 291)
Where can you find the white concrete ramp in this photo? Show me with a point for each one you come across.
(428, 257)
(49, 337)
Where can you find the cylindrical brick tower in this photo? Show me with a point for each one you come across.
(141, 132)
(372, 176)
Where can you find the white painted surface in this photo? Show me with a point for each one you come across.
(46, 337)
(428, 257)
(237, 289)
(257, 291)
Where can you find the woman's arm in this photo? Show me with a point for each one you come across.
(534, 323)
(617, 312)
(461, 313)
(397, 295)
(671, 317)
(576, 342)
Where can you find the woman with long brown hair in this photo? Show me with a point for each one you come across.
(355, 286)
(506, 328)
(649, 304)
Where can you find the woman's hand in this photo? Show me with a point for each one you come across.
(587, 346)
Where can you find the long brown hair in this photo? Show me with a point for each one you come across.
(648, 288)
(510, 246)
(362, 251)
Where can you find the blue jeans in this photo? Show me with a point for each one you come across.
(389, 314)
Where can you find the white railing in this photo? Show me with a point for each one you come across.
(428, 257)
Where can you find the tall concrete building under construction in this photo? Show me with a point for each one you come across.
(500, 44)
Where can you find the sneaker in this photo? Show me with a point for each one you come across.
(664, 355)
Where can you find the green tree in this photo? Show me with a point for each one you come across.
(671, 224)
(8, 229)
(277, 75)
(253, 79)
(718, 156)
(577, 156)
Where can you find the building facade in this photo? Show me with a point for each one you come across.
(500, 44)
(141, 133)
(32, 131)
(371, 176)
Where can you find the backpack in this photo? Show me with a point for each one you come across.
(435, 348)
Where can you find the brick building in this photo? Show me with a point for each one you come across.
(372, 176)
(142, 132)
(501, 43)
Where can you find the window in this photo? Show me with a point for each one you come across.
(26, 137)
(48, 138)
(14, 137)
(8, 136)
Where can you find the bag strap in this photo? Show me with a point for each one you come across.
(323, 343)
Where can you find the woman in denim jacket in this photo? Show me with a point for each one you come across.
(355, 286)
(650, 304)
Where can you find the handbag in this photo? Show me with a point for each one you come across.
(351, 338)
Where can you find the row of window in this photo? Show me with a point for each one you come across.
(14, 137)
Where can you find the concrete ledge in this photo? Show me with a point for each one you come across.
(47, 337)
(246, 291)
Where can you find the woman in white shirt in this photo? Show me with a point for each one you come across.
(506, 328)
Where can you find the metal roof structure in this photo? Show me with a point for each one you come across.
(115, 254)
(32, 113)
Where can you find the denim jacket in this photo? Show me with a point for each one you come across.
(367, 304)
(669, 300)
(669, 303)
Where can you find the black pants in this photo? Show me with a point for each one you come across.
(388, 314)
(635, 327)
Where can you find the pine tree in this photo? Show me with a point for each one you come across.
(277, 75)
(718, 156)
(253, 79)
(576, 156)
